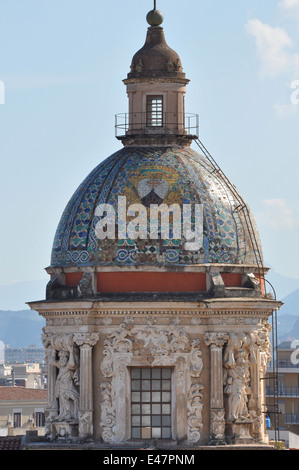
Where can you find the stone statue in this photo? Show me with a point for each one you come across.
(66, 387)
(237, 388)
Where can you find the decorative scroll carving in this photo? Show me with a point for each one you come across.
(158, 345)
(195, 406)
(196, 358)
(262, 339)
(108, 413)
(86, 338)
(216, 339)
(107, 362)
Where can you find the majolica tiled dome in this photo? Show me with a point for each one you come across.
(154, 175)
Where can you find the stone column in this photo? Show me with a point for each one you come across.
(258, 373)
(52, 404)
(216, 342)
(86, 341)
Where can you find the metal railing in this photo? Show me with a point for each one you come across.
(141, 123)
(285, 364)
(283, 391)
(291, 418)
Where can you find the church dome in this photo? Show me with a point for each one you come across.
(155, 175)
(156, 216)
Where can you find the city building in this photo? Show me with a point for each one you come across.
(21, 410)
(287, 372)
(29, 375)
(157, 319)
(31, 353)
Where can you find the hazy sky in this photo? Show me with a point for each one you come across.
(62, 63)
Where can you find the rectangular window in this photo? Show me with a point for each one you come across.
(154, 111)
(151, 403)
(39, 418)
(17, 420)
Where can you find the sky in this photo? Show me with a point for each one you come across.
(62, 63)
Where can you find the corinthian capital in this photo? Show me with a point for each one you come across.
(216, 339)
(89, 339)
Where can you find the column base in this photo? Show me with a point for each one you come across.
(65, 430)
(85, 424)
(217, 426)
(238, 432)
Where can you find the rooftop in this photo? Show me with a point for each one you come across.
(22, 393)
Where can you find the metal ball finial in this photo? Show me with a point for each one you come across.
(154, 17)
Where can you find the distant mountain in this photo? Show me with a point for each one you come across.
(283, 285)
(21, 328)
(288, 317)
(291, 304)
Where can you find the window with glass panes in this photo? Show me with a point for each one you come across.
(17, 420)
(151, 403)
(154, 111)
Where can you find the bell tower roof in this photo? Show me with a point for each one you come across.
(156, 60)
(156, 88)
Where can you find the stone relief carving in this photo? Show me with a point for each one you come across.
(238, 389)
(262, 339)
(195, 406)
(63, 357)
(67, 381)
(137, 67)
(196, 358)
(242, 373)
(239, 355)
(159, 346)
(67, 386)
(62, 353)
(218, 424)
(108, 413)
(86, 338)
(173, 66)
(85, 289)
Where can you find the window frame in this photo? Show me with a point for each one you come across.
(17, 419)
(154, 423)
(154, 111)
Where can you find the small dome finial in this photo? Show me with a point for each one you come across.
(154, 17)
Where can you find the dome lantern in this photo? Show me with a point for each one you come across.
(156, 88)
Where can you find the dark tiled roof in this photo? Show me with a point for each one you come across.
(10, 443)
(22, 393)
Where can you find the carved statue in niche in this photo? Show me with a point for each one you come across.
(67, 381)
(239, 354)
(237, 388)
